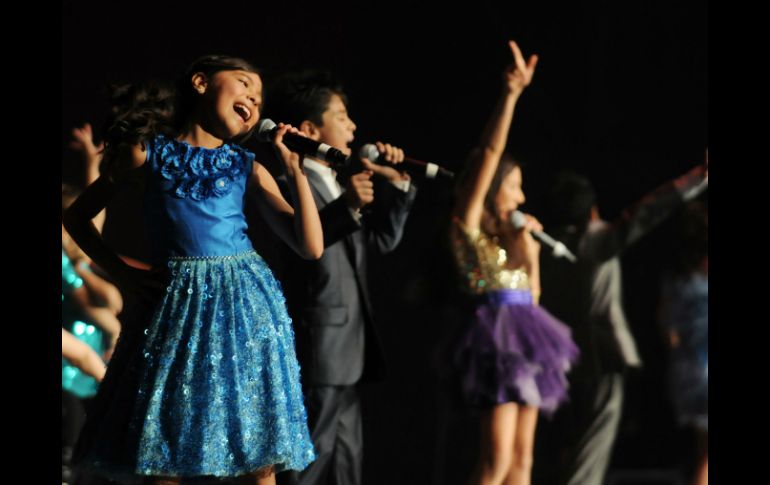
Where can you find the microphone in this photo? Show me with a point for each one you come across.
(429, 170)
(266, 130)
(519, 220)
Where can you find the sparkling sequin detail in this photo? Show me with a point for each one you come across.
(483, 263)
(219, 384)
(207, 381)
(511, 350)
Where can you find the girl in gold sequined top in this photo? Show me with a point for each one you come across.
(511, 357)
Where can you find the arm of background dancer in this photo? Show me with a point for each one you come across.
(637, 220)
(82, 356)
(104, 292)
(83, 142)
(102, 317)
(78, 218)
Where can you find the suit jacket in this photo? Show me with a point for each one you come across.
(328, 299)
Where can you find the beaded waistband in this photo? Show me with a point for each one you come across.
(210, 258)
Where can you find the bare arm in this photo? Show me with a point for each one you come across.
(78, 219)
(639, 219)
(102, 317)
(83, 141)
(470, 204)
(82, 356)
(104, 292)
(300, 229)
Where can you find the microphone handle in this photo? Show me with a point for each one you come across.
(431, 169)
(312, 148)
(559, 248)
(545, 238)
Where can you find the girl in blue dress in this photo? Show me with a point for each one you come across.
(684, 314)
(204, 380)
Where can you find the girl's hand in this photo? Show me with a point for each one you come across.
(292, 160)
(531, 248)
(518, 75)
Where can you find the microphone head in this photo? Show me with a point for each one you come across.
(446, 173)
(264, 127)
(370, 152)
(518, 219)
(561, 251)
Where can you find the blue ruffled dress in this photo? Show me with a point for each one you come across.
(207, 383)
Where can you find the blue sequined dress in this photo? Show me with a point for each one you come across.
(686, 311)
(208, 383)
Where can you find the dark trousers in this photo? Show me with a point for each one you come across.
(334, 417)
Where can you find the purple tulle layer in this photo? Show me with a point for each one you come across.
(514, 351)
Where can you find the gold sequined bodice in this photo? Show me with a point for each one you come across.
(483, 263)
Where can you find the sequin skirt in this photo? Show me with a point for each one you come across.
(205, 383)
(688, 384)
(513, 351)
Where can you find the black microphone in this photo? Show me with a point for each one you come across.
(519, 220)
(429, 170)
(266, 130)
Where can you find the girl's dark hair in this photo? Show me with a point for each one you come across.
(506, 165)
(142, 110)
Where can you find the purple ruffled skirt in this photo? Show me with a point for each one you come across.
(514, 351)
